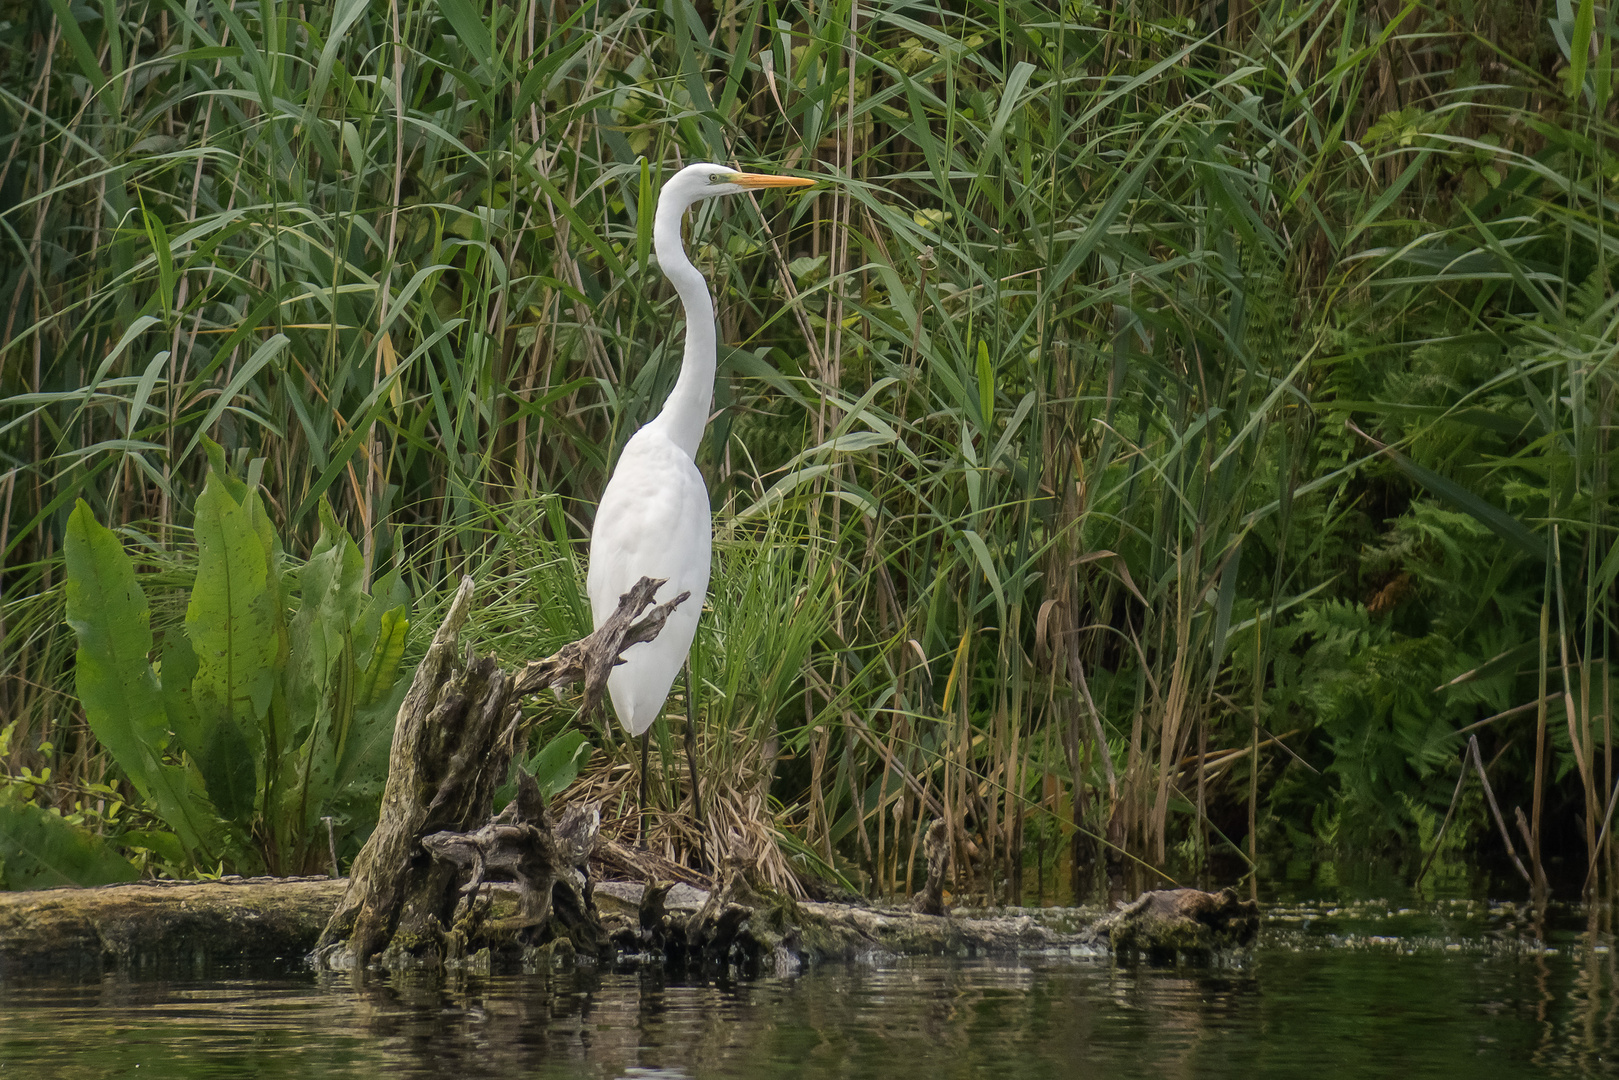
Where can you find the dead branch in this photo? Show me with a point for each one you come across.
(590, 660)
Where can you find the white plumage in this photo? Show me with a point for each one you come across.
(653, 522)
(654, 518)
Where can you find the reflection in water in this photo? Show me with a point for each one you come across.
(1374, 991)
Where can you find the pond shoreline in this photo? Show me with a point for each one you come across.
(168, 925)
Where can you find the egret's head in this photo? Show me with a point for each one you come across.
(705, 180)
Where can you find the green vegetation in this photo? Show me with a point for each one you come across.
(1171, 428)
(280, 721)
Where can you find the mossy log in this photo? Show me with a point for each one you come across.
(170, 926)
(1168, 922)
(185, 927)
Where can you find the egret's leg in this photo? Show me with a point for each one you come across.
(691, 761)
(640, 821)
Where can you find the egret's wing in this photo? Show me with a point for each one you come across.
(654, 521)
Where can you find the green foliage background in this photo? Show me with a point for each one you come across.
(1151, 384)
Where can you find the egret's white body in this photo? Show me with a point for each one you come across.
(654, 519)
(653, 522)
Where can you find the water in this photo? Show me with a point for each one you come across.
(1453, 989)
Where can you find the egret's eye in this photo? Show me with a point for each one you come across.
(722, 178)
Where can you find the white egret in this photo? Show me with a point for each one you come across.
(654, 518)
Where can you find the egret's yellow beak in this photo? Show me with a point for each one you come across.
(764, 180)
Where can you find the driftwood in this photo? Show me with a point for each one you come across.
(190, 927)
(1173, 921)
(452, 746)
(166, 927)
(590, 660)
(547, 861)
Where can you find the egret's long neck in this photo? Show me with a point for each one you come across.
(685, 414)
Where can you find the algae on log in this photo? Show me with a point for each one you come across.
(1172, 921)
(689, 929)
(735, 926)
(452, 746)
(163, 925)
(170, 926)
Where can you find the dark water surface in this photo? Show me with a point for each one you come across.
(1370, 989)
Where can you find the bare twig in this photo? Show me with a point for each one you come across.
(1506, 837)
(1439, 838)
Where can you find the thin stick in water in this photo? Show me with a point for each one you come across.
(1506, 837)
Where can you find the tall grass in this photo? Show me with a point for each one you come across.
(1156, 405)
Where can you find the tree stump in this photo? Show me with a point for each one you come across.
(453, 743)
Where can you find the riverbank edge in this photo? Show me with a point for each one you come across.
(174, 925)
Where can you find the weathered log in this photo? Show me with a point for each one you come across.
(163, 925)
(694, 930)
(177, 927)
(452, 746)
(1172, 921)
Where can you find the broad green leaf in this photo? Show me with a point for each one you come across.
(1607, 571)
(321, 673)
(558, 764)
(1580, 44)
(987, 564)
(986, 386)
(178, 672)
(232, 621)
(40, 850)
(363, 759)
(345, 13)
(89, 66)
(645, 203)
(1375, 212)
(331, 591)
(474, 33)
(158, 237)
(849, 443)
(216, 459)
(381, 673)
(143, 393)
(781, 489)
(1222, 609)
(160, 842)
(387, 593)
(261, 356)
(110, 616)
